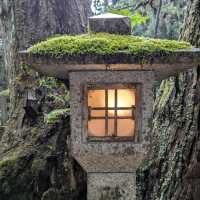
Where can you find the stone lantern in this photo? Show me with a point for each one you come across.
(111, 107)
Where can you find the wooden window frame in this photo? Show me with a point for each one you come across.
(135, 111)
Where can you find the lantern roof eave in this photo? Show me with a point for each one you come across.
(164, 65)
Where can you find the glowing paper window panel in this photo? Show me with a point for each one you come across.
(125, 127)
(111, 112)
(96, 98)
(96, 128)
(125, 98)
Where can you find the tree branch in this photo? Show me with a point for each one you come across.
(158, 19)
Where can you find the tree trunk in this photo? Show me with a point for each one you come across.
(191, 29)
(35, 159)
(38, 19)
(158, 19)
(173, 170)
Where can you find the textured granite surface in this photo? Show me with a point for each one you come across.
(87, 152)
(111, 186)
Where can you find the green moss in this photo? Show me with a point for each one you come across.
(5, 93)
(104, 44)
(38, 165)
(55, 115)
(15, 178)
(10, 161)
(7, 170)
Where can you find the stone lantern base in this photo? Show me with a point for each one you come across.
(111, 186)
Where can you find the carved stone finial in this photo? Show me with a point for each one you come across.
(110, 23)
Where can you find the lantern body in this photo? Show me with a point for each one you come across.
(110, 114)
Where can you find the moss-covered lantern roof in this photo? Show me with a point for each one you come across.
(59, 55)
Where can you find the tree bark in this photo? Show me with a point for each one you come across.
(38, 19)
(191, 29)
(173, 170)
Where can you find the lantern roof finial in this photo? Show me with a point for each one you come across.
(110, 23)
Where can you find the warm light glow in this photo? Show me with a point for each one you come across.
(125, 98)
(125, 127)
(96, 128)
(96, 98)
(117, 105)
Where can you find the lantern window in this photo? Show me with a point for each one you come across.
(111, 111)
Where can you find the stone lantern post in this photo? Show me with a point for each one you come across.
(111, 107)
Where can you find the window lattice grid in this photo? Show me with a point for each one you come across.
(111, 113)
